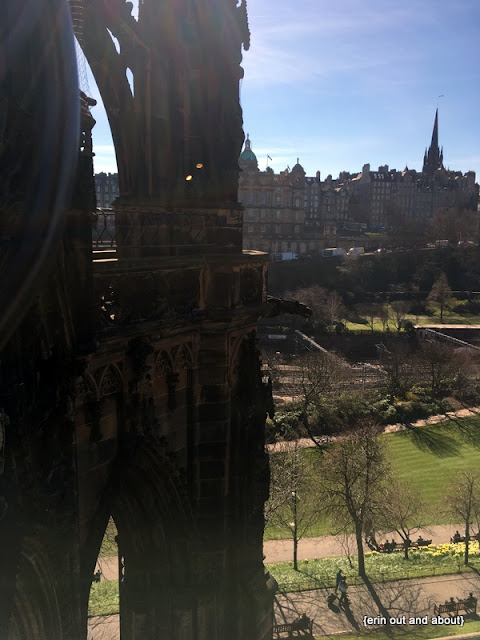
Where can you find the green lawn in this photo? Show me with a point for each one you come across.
(427, 456)
(431, 456)
(448, 318)
(417, 632)
(109, 546)
(104, 598)
(435, 560)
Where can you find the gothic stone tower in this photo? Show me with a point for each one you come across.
(130, 381)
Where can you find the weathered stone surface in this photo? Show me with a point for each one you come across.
(132, 386)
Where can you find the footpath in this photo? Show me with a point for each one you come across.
(331, 546)
(376, 606)
(306, 443)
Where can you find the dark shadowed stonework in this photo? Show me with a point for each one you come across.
(130, 383)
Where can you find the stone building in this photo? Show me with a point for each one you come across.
(130, 382)
(290, 211)
(389, 198)
(106, 189)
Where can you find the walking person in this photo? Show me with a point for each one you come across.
(343, 586)
(338, 580)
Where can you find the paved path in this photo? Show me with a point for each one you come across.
(309, 548)
(409, 598)
(305, 443)
(330, 546)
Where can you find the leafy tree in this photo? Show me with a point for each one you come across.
(402, 511)
(463, 501)
(353, 479)
(440, 294)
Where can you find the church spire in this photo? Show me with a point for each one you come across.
(433, 158)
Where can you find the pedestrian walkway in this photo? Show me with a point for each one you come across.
(305, 443)
(372, 606)
(331, 546)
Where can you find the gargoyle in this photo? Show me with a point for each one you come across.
(276, 306)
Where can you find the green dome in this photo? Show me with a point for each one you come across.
(247, 157)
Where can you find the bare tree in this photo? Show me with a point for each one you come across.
(334, 307)
(383, 315)
(353, 478)
(454, 224)
(290, 506)
(440, 295)
(398, 363)
(318, 372)
(463, 501)
(399, 310)
(403, 511)
(442, 364)
(370, 313)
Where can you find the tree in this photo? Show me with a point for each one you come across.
(440, 294)
(397, 362)
(443, 364)
(369, 312)
(455, 224)
(291, 503)
(334, 307)
(354, 475)
(402, 511)
(383, 315)
(399, 310)
(463, 501)
(317, 374)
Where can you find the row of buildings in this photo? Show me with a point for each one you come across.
(292, 212)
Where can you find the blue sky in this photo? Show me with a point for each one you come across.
(339, 83)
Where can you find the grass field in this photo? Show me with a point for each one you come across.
(429, 457)
(448, 318)
(417, 632)
(104, 598)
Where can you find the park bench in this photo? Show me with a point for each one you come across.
(388, 547)
(454, 539)
(469, 605)
(302, 627)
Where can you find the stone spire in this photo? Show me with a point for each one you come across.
(433, 158)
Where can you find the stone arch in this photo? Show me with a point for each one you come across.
(156, 539)
(182, 357)
(235, 350)
(87, 388)
(110, 380)
(36, 609)
(163, 364)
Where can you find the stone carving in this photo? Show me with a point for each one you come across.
(111, 381)
(276, 306)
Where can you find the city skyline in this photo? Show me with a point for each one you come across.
(342, 85)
